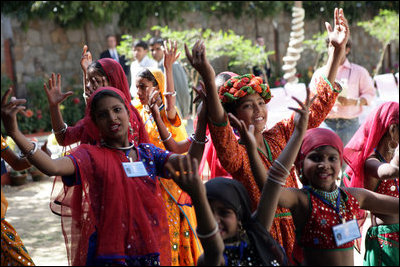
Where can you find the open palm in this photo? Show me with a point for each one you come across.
(53, 92)
(339, 35)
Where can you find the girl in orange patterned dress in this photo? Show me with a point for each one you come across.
(163, 124)
(243, 97)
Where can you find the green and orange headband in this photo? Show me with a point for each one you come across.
(240, 86)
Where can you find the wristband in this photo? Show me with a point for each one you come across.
(30, 152)
(212, 233)
(63, 130)
(166, 139)
(192, 137)
(170, 93)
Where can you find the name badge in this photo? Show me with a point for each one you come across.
(134, 169)
(346, 232)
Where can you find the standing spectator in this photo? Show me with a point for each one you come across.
(266, 72)
(358, 91)
(140, 50)
(180, 78)
(111, 52)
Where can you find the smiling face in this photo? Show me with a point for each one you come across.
(112, 119)
(253, 110)
(321, 167)
(226, 219)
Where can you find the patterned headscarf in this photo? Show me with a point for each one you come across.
(240, 86)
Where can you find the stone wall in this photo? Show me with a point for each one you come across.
(46, 47)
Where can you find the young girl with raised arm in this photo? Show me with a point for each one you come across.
(246, 98)
(230, 233)
(113, 211)
(372, 156)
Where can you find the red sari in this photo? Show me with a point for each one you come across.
(234, 159)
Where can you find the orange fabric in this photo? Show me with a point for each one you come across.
(185, 249)
(236, 161)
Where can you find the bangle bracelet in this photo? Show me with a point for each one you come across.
(212, 233)
(30, 152)
(166, 139)
(63, 130)
(282, 167)
(170, 93)
(275, 181)
(192, 137)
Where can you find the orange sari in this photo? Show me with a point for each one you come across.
(185, 247)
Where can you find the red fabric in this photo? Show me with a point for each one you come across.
(317, 233)
(315, 138)
(367, 137)
(116, 78)
(127, 213)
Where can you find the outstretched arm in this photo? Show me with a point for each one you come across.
(199, 61)
(381, 170)
(338, 37)
(55, 98)
(187, 177)
(277, 174)
(9, 109)
(170, 57)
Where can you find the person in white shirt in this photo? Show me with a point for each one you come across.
(111, 52)
(140, 50)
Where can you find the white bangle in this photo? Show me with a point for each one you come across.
(212, 233)
(30, 152)
(166, 139)
(282, 167)
(170, 93)
(276, 181)
(63, 130)
(192, 137)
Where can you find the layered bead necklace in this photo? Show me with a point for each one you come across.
(330, 197)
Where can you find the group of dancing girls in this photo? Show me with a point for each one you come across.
(132, 192)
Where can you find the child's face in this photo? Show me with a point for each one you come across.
(253, 110)
(321, 167)
(226, 219)
(111, 118)
(144, 87)
(139, 53)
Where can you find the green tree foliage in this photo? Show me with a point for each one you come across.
(318, 44)
(385, 28)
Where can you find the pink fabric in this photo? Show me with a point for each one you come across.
(116, 77)
(315, 138)
(367, 137)
(360, 84)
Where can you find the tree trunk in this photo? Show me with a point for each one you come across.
(379, 65)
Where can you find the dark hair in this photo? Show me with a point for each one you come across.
(101, 95)
(156, 40)
(220, 79)
(96, 67)
(141, 43)
(146, 73)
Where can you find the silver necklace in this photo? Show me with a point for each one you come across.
(119, 148)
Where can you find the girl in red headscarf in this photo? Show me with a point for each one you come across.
(104, 72)
(112, 210)
(246, 97)
(373, 163)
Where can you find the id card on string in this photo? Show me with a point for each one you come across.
(346, 232)
(135, 169)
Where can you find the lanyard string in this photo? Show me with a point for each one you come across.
(337, 208)
(268, 150)
(382, 159)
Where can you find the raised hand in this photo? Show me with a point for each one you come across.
(186, 175)
(302, 113)
(170, 55)
(154, 98)
(9, 110)
(199, 60)
(339, 35)
(53, 92)
(201, 99)
(246, 134)
(86, 58)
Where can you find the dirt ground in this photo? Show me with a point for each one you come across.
(40, 230)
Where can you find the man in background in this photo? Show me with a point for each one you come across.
(180, 78)
(111, 52)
